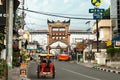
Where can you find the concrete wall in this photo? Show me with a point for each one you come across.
(115, 64)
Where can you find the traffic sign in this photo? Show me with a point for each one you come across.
(96, 16)
(96, 10)
(109, 43)
(21, 31)
(96, 2)
(91, 10)
(99, 10)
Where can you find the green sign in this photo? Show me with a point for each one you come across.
(92, 11)
(96, 13)
(96, 10)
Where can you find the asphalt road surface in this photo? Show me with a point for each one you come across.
(72, 71)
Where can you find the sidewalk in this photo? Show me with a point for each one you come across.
(104, 68)
(14, 74)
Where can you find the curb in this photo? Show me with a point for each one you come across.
(108, 70)
(100, 68)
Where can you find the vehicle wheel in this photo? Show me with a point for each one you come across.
(38, 71)
(53, 76)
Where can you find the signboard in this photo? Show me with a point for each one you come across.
(109, 43)
(96, 2)
(31, 46)
(23, 68)
(117, 43)
(96, 16)
(21, 32)
(91, 10)
(96, 10)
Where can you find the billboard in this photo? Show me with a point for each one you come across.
(31, 46)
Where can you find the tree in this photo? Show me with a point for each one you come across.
(106, 14)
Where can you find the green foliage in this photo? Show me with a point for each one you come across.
(15, 58)
(2, 30)
(18, 20)
(2, 67)
(106, 14)
(113, 53)
(2, 37)
(2, 46)
(61, 51)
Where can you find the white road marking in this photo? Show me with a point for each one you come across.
(90, 77)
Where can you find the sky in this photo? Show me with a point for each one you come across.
(70, 8)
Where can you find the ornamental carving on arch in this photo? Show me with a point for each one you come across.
(58, 31)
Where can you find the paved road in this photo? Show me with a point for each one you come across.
(73, 71)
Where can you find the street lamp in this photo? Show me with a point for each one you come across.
(88, 30)
(88, 22)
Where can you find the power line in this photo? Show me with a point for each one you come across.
(49, 14)
(55, 15)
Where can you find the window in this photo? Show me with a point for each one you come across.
(119, 22)
(118, 11)
(62, 29)
(118, 2)
(55, 29)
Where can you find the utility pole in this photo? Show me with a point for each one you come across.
(10, 35)
(97, 35)
(6, 72)
(23, 14)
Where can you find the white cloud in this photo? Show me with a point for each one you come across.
(66, 1)
(79, 8)
(45, 3)
(107, 2)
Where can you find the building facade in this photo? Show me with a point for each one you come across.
(58, 31)
(105, 34)
(105, 30)
(40, 36)
(115, 15)
(75, 36)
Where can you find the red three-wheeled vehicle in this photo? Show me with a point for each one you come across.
(45, 67)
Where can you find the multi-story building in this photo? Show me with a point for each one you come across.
(105, 34)
(115, 16)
